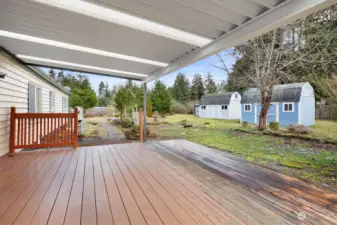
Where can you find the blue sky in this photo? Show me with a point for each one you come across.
(202, 67)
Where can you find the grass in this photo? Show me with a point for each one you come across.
(293, 157)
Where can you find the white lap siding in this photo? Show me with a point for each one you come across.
(14, 92)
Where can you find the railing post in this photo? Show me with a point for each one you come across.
(75, 127)
(141, 134)
(12, 130)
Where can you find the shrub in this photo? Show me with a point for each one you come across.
(299, 129)
(245, 124)
(274, 125)
(127, 123)
(149, 109)
(179, 108)
(156, 116)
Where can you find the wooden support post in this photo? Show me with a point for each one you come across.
(75, 127)
(12, 133)
(141, 133)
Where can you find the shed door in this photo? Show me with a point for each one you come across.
(273, 113)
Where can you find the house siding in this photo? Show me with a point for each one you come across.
(14, 92)
(248, 116)
(307, 111)
(287, 118)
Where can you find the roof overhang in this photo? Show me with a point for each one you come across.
(141, 40)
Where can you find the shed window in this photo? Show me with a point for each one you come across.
(288, 107)
(34, 98)
(247, 107)
(51, 102)
(224, 107)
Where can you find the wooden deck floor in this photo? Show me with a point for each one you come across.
(141, 184)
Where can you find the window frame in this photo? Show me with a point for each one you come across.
(250, 107)
(224, 107)
(51, 101)
(65, 104)
(288, 103)
(38, 99)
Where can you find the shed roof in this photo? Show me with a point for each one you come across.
(216, 99)
(142, 40)
(287, 92)
(280, 93)
(251, 95)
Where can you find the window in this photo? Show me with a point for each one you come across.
(64, 104)
(34, 98)
(247, 107)
(236, 95)
(288, 107)
(51, 102)
(224, 107)
(203, 107)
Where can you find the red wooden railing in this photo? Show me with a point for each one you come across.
(38, 130)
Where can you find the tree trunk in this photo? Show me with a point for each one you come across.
(265, 103)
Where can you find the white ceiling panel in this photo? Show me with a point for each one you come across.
(42, 51)
(47, 22)
(138, 38)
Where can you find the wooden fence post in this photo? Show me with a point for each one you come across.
(12, 133)
(141, 133)
(75, 127)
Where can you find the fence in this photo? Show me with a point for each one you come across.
(326, 112)
(38, 130)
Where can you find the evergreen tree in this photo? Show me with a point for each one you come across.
(60, 76)
(160, 98)
(181, 88)
(52, 73)
(101, 88)
(197, 89)
(210, 85)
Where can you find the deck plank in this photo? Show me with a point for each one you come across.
(57, 215)
(89, 216)
(232, 200)
(74, 208)
(192, 208)
(17, 176)
(145, 206)
(34, 175)
(119, 214)
(196, 197)
(42, 215)
(14, 210)
(164, 212)
(47, 191)
(104, 215)
(134, 213)
(179, 211)
(150, 184)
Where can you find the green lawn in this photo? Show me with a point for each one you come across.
(293, 157)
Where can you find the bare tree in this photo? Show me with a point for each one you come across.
(280, 56)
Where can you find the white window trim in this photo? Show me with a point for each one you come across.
(51, 101)
(36, 99)
(244, 107)
(288, 103)
(224, 109)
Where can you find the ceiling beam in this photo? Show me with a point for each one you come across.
(282, 14)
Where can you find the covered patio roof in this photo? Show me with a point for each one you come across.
(141, 40)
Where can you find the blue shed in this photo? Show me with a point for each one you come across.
(290, 104)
